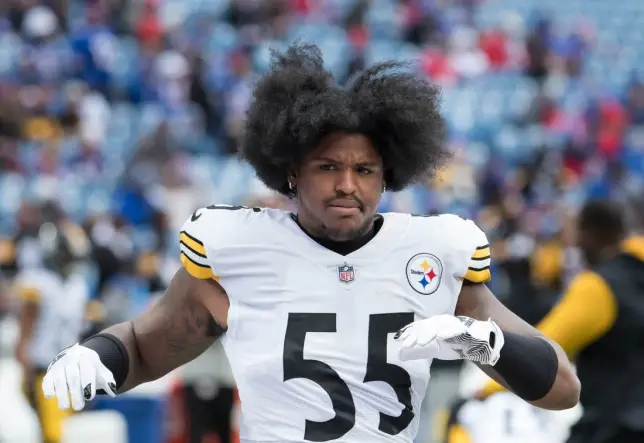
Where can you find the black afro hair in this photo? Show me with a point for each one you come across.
(298, 102)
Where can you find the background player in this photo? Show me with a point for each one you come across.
(334, 150)
(54, 290)
(501, 417)
(599, 322)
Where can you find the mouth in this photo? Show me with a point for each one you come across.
(344, 207)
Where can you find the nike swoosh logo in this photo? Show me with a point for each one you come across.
(195, 216)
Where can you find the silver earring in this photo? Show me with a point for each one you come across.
(290, 186)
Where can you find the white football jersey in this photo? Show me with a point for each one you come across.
(61, 315)
(505, 418)
(310, 331)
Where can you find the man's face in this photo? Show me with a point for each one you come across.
(339, 186)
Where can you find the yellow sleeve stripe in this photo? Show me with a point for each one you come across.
(458, 434)
(192, 244)
(481, 253)
(197, 270)
(478, 275)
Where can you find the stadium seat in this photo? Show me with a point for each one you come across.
(382, 50)
(223, 37)
(10, 46)
(126, 60)
(212, 7)
(261, 54)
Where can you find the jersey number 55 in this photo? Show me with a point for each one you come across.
(296, 366)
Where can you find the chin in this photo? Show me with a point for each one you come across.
(345, 229)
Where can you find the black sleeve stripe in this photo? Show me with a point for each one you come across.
(192, 238)
(483, 247)
(191, 250)
(485, 268)
(194, 262)
(487, 257)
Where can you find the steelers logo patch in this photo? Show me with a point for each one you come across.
(424, 272)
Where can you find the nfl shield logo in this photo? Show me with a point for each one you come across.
(346, 274)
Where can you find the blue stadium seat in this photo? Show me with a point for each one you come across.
(10, 48)
(126, 64)
(223, 38)
(335, 51)
(12, 193)
(381, 50)
(213, 7)
(261, 54)
(123, 119)
(508, 142)
(381, 21)
(151, 115)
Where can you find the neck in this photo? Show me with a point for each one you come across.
(344, 247)
(319, 231)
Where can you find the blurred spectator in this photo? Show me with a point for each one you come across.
(635, 103)
(467, 58)
(129, 107)
(537, 47)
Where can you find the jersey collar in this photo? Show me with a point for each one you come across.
(374, 249)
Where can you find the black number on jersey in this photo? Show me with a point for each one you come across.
(295, 366)
(380, 325)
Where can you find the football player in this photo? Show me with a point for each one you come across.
(54, 290)
(502, 417)
(599, 322)
(332, 315)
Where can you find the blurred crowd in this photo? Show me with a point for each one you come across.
(119, 117)
(124, 116)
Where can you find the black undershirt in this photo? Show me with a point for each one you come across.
(348, 246)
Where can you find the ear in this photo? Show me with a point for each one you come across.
(292, 178)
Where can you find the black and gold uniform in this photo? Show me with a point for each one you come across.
(600, 324)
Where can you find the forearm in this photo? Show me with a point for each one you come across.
(27, 323)
(566, 381)
(524, 362)
(175, 330)
(137, 371)
(587, 311)
(549, 384)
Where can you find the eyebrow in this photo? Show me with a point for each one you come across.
(325, 159)
(330, 160)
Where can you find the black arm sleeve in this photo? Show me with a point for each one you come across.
(113, 355)
(529, 365)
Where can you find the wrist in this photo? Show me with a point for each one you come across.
(112, 353)
(489, 333)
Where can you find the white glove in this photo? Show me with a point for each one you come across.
(445, 337)
(79, 371)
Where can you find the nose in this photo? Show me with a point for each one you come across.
(346, 182)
